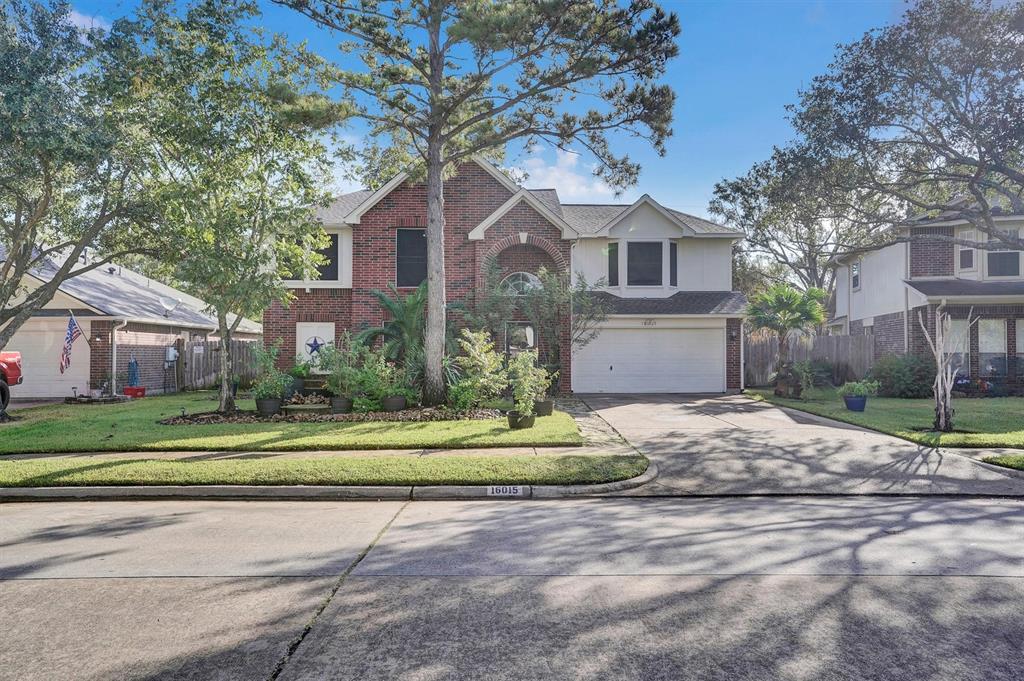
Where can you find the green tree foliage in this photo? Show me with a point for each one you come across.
(402, 331)
(783, 310)
(483, 371)
(235, 117)
(444, 81)
(74, 154)
(796, 219)
(932, 108)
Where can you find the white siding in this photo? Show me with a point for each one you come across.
(842, 291)
(704, 265)
(881, 283)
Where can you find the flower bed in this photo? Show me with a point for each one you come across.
(408, 415)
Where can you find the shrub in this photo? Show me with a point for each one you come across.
(379, 378)
(529, 381)
(908, 376)
(271, 383)
(303, 368)
(342, 362)
(483, 374)
(858, 389)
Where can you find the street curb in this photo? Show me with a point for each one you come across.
(322, 493)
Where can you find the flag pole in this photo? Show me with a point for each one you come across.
(84, 334)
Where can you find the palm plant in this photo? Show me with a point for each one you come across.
(782, 310)
(402, 333)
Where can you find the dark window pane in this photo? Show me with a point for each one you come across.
(1004, 264)
(329, 270)
(613, 264)
(967, 259)
(643, 263)
(411, 257)
(673, 267)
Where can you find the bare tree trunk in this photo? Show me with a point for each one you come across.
(227, 365)
(433, 341)
(945, 374)
(783, 351)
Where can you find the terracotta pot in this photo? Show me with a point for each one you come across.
(268, 407)
(341, 405)
(396, 403)
(517, 421)
(544, 407)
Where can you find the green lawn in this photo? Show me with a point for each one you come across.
(340, 470)
(1010, 461)
(133, 427)
(987, 422)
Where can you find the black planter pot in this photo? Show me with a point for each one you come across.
(341, 405)
(855, 403)
(268, 407)
(393, 403)
(517, 421)
(544, 407)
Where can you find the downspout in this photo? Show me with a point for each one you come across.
(743, 358)
(113, 355)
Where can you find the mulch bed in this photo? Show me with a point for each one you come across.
(407, 415)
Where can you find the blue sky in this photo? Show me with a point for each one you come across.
(740, 63)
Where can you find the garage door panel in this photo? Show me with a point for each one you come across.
(652, 360)
(40, 342)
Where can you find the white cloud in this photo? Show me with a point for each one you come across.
(86, 22)
(574, 181)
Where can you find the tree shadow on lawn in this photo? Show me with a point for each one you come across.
(612, 589)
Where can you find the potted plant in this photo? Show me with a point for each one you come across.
(526, 384)
(269, 391)
(300, 371)
(543, 404)
(855, 393)
(382, 385)
(341, 362)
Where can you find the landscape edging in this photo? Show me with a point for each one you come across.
(315, 492)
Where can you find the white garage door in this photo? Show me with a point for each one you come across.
(652, 361)
(40, 342)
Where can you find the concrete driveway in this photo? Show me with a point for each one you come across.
(736, 445)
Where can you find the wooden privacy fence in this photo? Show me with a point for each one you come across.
(851, 356)
(199, 363)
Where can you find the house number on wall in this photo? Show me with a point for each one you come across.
(650, 322)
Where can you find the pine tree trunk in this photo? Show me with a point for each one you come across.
(227, 366)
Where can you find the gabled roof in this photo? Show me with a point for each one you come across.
(597, 219)
(125, 294)
(531, 198)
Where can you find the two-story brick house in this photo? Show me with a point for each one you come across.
(886, 291)
(676, 321)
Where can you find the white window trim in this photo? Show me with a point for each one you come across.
(859, 265)
(973, 236)
(623, 246)
(1020, 262)
(343, 247)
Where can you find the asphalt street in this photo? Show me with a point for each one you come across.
(727, 588)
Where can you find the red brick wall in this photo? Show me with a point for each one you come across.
(888, 332)
(317, 305)
(148, 344)
(931, 258)
(733, 354)
(1010, 313)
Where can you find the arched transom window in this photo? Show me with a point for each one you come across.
(520, 283)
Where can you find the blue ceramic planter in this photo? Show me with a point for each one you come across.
(854, 403)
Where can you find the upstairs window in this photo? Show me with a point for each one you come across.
(410, 257)
(855, 275)
(1003, 262)
(613, 264)
(673, 264)
(643, 263)
(966, 253)
(329, 270)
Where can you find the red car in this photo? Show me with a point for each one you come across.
(10, 374)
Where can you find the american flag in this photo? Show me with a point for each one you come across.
(73, 334)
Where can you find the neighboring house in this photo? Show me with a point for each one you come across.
(886, 291)
(676, 322)
(114, 306)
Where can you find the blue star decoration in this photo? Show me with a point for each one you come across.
(314, 344)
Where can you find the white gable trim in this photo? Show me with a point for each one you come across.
(355, 216)
(644, 200)
(523, 195)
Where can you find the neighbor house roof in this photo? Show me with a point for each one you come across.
(951, 288)
(124, 294)
(730, 303)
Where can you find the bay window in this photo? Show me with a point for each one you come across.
(644, 263)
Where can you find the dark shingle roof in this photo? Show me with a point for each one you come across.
(731, 303)
(588, 218)
(549, 197)
(965, 287)
(342, 205)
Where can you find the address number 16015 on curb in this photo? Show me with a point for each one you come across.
(506, 491)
